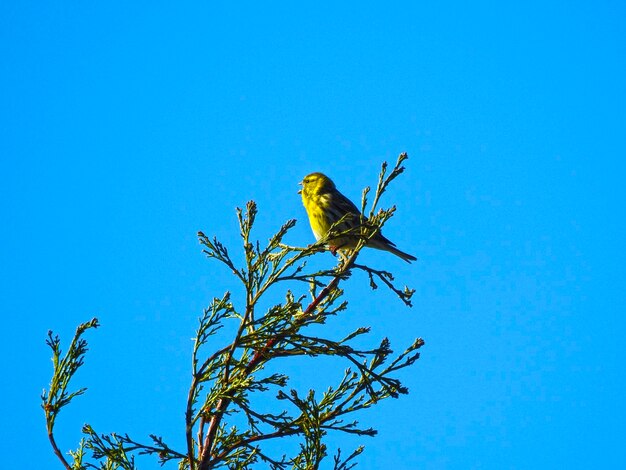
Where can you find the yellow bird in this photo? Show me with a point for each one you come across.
(325, 205)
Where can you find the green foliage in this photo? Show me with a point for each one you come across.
(224, 428)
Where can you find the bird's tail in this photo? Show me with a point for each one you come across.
(405, 256)
(389, 246)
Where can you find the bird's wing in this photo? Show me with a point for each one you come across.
(345, 205)
(339, 207)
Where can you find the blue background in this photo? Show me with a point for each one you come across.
(125, 129)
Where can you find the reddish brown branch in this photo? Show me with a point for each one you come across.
(258, 355)
(205, 454)
(57, 451)
(189, 424)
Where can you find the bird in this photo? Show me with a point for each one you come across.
(325, 205)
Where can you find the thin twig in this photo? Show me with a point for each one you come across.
(189, 424)
(56, 450)
(223, 403)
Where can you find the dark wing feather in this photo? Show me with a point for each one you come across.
(338, 207)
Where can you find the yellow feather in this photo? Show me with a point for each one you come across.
(325, 205)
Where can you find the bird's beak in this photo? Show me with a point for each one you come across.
(300, 190)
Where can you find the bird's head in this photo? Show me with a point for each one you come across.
(316, 183)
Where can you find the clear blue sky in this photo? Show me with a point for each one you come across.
(125, 129)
